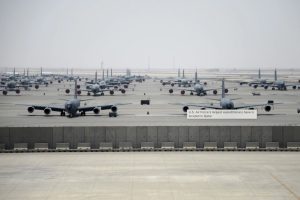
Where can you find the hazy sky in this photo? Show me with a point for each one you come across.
(128, 33)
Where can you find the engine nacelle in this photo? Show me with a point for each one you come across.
(115, 87)
(182, 92)
(59, 81)
(215, 91)
(123, 91)
(266, 87)
(205, 83)
(47, 111)
(255, 86)
(96, 110)
(114, 109)
(111, 92)
(226, 90)
(18, 91)
(78, 86)
(126, 86)
(163, 83)
(268, 108)
(79, 92)
(30, 109)
(67, 91)
(294, 87)
(4, 92)
(36, 86)
(185, 108)
(172, 84)
(171, 91)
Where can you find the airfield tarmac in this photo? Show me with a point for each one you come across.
(151, 175)
(161, 111)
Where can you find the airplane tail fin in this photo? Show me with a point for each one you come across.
(183, 73)
(178, 73)
(275, 75)
(96, 77)
(196, 76)
(41, 71)
(75, 94)
(223, 88)
(103, 74)
(259, 75)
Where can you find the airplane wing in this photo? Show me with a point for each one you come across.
(255, 105)
(42, 107)
(102, 107)
(204, 106)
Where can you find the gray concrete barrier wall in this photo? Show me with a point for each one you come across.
(155, 134)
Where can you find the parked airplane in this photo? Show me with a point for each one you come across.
(280, 84)
(198, 88)
(72, 107)
(226, 103)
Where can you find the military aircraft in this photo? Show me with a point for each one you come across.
(280, 84)
(198, 88)
(226, 103)
(72, 107)
(256, 82)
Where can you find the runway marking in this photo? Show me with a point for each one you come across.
(286, 187)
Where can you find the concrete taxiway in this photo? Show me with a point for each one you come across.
(161, 112)
(151, 175)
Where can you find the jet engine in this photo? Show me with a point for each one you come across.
(30, 109)
(111, 92)
(226, 90)
(255, 86)
(114, 109)
(67, 91)
(47, 111)
(172, 84)
(18, 91)
(79, 92)
(294, 87)
(205, 83)
(96, 110)
(171, 91)
(266, 87)
(78, 86)
(123, 91)
(4, 92)
(182, 92)
(36, 86)
(185, 108)
(268, 108)
(215, 92)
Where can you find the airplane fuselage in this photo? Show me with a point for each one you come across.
(71, 106)
(226, 103)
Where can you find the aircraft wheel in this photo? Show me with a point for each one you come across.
(102, 94)
(88, 94)
(4, 92)
(191, 93)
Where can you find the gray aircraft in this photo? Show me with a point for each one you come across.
(256, 82)
(280, 84)
(226, 103)
(72, 107)
(198, 88)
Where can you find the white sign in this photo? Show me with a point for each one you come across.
(222, 114)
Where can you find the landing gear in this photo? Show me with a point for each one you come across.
(82, 113)
(88, 93)
(4, 92)
(62, 113)
(102, 93)
(191, 93)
